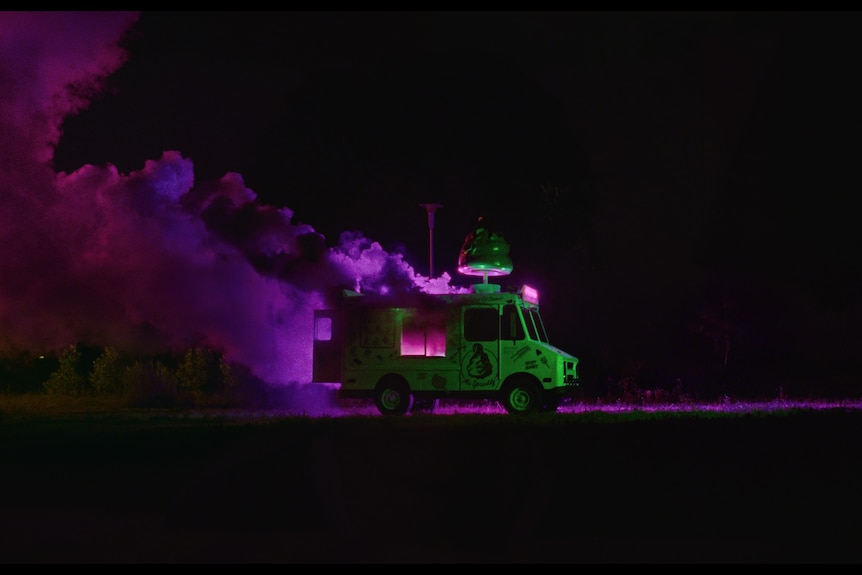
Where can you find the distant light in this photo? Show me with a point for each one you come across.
(530, 295)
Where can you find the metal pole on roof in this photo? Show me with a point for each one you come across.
(431, 208)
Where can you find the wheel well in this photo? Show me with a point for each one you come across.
(392, 379)
(521, 377)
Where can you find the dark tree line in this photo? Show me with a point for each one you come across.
(198, 376)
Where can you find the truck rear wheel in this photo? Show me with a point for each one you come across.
(392, 395)
(521, 395)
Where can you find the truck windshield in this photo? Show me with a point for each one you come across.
(535, 327)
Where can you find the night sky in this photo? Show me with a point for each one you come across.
(177, 175)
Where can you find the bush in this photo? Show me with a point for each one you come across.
(67, 379)
(106, 379)
(150, 383)
(202, 371)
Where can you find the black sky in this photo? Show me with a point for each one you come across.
(641, 165)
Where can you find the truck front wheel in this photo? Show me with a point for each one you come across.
(392, 395)
(521, 395)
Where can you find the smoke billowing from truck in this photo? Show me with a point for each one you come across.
(150, 259)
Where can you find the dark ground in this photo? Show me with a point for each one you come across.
(588, 488)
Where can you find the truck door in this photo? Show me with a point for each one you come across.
(480, 357)
(513, 346)
(327, 347)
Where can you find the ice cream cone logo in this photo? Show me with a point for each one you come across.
(479, 366)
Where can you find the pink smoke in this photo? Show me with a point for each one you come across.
(149, 259)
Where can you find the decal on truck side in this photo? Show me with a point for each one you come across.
(479, 367)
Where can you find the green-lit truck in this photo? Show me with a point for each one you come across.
(408, 351)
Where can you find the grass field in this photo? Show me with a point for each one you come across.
(97, 483)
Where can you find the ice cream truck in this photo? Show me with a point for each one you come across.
(408, 351)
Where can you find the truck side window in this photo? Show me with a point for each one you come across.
(510, 326)
(481, 324)
(535, 325)
(423, 334)
(531, 326)
(322, 328)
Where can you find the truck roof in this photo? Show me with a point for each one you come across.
(424, 300)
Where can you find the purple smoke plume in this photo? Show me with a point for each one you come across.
(149, 259)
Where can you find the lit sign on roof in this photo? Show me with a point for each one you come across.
(530, 295)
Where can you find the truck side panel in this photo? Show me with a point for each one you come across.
(420, 345)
